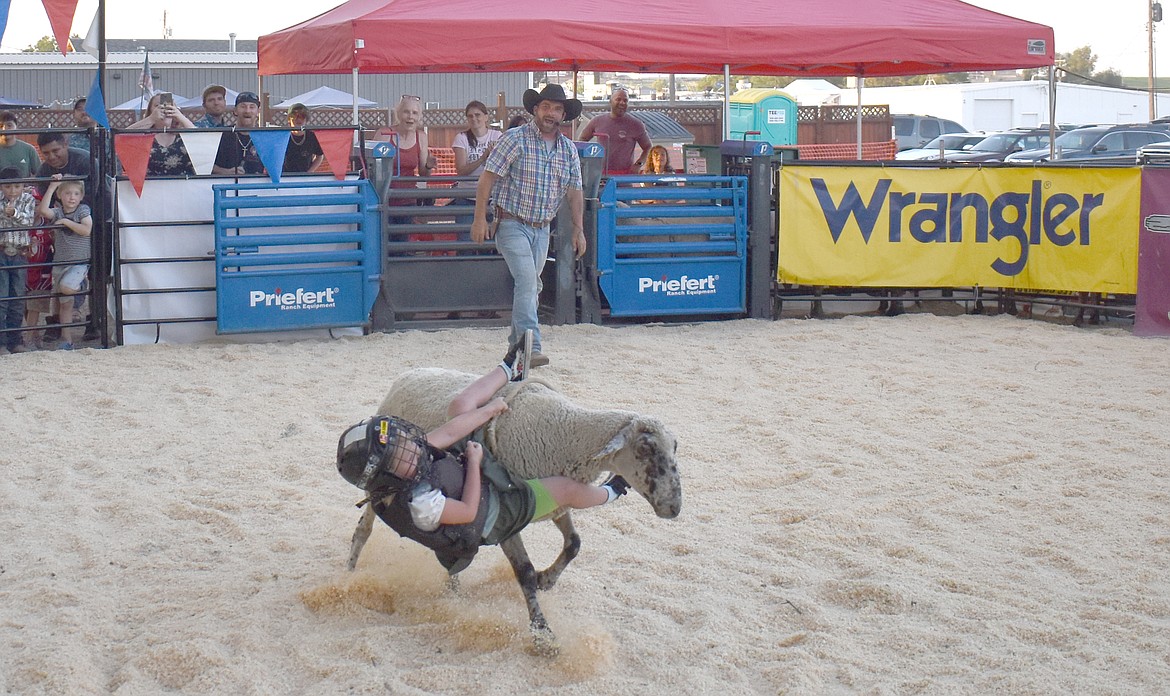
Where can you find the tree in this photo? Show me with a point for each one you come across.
(47, 44)
(1078, 64)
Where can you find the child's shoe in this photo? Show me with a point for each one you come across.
(65, 346)
(519, 358)
(615, 487)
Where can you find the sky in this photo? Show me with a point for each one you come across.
(1116, 32)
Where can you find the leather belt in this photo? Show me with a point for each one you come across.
(502, 214)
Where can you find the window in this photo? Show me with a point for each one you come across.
(1110, 143)
(929, 129)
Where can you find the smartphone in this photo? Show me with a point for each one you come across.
(166, 99)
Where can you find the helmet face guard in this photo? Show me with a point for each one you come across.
(379, 452)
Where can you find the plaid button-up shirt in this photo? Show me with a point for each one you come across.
(15, 242)
(533, 178)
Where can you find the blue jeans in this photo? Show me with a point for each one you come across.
(524, 249)
(12, 290)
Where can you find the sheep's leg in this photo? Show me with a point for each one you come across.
(360, 535)
(542, 635)
(546, 578)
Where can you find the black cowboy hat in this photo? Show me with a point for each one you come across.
(554, 93)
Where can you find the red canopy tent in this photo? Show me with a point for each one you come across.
(744, 37)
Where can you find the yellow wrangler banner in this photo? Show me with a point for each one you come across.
(1038, 229)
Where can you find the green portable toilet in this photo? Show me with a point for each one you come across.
(769, 111)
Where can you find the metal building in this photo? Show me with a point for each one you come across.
(185, 67)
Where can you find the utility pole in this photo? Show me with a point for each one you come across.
(1154, 15)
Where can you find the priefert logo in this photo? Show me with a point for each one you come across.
(301, 299)
(683, 285)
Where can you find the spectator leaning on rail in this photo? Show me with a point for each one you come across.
(237, 154)
(71, 243)
(471, 148)
(14, 152)
(214, 107)
(59, 158)
(16, 210)
(168, 154)
(529, 172)
(619, 132)
(304, 151)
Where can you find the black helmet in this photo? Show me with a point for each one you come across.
(369, 452)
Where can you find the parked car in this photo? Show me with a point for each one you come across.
(1100, 144)
(1154, 155)
(949, 144)
(912, 130)
(997, 146)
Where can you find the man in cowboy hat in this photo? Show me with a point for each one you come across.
(531, 170)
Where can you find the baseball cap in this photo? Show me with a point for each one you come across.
(247, 97)
(297, 107)
(214, 88)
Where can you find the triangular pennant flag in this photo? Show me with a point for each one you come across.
(90, 43)
(134, 152)
(271, 146)
(61, 20)
(4, 6)
(202, 148)
(336, 144)
(95, 103)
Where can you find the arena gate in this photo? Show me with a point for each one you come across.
(295, 255)
(673, 245)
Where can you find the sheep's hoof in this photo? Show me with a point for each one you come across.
(546, 580)
(544, 643)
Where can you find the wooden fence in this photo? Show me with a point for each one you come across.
(815, 124)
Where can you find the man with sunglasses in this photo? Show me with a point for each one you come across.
(531, 170)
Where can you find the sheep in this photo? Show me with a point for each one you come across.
(545, 434)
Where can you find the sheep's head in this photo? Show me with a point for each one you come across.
(643, 452)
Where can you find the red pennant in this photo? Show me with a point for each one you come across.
(336, 144)
(61, 19)
(134, 152)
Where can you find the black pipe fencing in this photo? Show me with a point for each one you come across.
(93, 295)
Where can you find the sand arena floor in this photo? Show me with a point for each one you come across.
(915, 505)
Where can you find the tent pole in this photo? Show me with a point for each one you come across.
(356, 120)
(860, 79)
(726, 101)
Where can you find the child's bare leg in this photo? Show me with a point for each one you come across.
(65, 316)
(478, 392)
(574, 494)
(32, 337)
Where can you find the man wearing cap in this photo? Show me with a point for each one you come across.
(81, 119)
(214, 107)
(530, 171)
(619, 132)
(237, 155)
(304, 152)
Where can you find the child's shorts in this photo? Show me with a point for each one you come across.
(39, 305)
(70, 280)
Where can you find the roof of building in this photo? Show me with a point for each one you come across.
(180, 45)
(124, 58)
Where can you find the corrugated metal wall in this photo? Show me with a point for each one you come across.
(47, 83)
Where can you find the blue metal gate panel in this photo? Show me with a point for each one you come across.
(673, 245)
(286, 260)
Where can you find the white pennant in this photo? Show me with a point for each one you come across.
(201, 147)
(90, 43)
